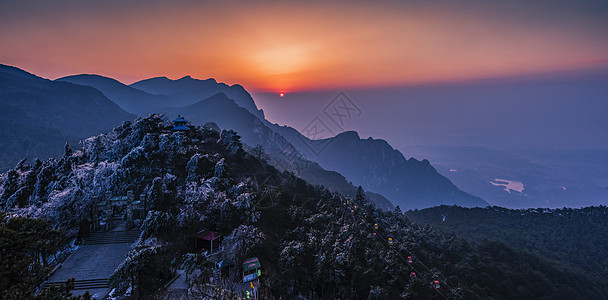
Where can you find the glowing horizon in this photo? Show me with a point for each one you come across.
(291, 46)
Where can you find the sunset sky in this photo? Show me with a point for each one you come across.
(290, 46)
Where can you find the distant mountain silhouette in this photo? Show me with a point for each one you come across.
(37, 116)
(187, 90)
(130, 99)
(376, 166)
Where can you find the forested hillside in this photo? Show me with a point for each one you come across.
(312, 243)
(575, 239)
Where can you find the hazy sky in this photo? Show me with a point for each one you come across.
(288, 46)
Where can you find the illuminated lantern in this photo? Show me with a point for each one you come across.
(413, 275)
(410, 260)
(435, 284)
(390, 241)
(374, 233)
(376, 226)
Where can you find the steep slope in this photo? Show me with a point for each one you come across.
(130, 99)
(37, 116)
(224, 112)
(188, 90)
(377, 167)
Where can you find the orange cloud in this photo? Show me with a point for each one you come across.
(289, 46)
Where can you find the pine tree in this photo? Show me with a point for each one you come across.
(11, 185)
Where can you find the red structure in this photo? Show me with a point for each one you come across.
(207, 240)
(435, 284)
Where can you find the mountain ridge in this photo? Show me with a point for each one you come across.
(419, 185)
(345, 151)
(130, 99)
(38, 116)
(188, 90)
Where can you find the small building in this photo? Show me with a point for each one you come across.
(179, 124)
(207, 240)
(252, 269)
(224, 266)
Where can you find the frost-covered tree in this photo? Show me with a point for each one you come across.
(156, 223)
(10, 186)
(192, 168)
(231, 141)
(43, 179)
(144, 270)
(67, 150)
(241, 240)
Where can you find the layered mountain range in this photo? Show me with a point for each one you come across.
(38, 116)
(346, 162)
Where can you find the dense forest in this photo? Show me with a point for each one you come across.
(312, 243)
(575, 239)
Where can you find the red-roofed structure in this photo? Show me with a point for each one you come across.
(207, 240)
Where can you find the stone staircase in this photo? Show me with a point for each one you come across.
(93, 263)
(85, 284)
(112, 237)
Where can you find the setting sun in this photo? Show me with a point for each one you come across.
(266, 50)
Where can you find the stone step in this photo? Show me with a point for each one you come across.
(85, 284)
(112, 237)
(106, 233)
(117, 235)
(111, 241)
(107, 237)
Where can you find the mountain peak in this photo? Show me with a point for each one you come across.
(83, 77)
(350, 134)
(188, 90)
(190, 78)
(14, 71)
(220, 95)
